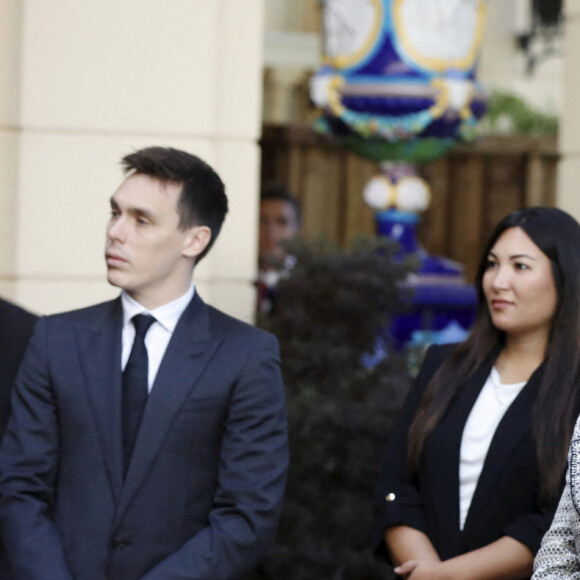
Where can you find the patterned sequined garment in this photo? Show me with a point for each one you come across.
(559, 555)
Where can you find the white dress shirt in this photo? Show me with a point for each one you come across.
(159, 334)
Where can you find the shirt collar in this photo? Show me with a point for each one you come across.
(166, 315)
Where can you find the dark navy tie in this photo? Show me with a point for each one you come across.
(135, 387)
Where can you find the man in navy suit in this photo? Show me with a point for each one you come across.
(186, 483)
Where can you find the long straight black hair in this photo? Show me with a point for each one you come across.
(557, 235)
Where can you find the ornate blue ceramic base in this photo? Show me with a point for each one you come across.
(441, 304)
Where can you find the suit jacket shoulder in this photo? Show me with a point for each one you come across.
(88, 313)
(224, 323)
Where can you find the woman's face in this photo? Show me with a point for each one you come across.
(519, 287)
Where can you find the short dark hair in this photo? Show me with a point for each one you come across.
(280, 192)
(202, 202)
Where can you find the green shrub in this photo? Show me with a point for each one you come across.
(328, 313)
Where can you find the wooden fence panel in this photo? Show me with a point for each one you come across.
(473, 187)
(434, 227)
(467, 194)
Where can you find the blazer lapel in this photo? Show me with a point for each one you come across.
(188, 352)
(446, 444)
(514, 425)
(100, 356)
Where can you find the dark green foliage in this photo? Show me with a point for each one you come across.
(328, 313)
(508, 113)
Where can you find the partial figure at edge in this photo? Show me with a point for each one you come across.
(16, 326)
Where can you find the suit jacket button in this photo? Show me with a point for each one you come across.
(390, 497)
(119, 545)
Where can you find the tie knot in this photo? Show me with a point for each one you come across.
(142, 322)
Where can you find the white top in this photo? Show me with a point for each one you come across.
(158, 335)
(491, 405)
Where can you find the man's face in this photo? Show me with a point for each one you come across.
(278, 224)
(147, 254)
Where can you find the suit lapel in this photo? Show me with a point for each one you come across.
(188, 352)
(100, 356)
(514, 425)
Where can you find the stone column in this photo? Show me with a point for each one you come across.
(568, 196)
(83, 83)
(10, 80)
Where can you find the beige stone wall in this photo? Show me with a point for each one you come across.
(10, 56)
(569, 167)
(83, 82)
(503, 66)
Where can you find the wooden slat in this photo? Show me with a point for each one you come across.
(505, 185)
(320, 194)
(311, 16)
(295, 169)
(359, 216)
(433, 228)
(550, 180)
(467, 195)
(534, 180)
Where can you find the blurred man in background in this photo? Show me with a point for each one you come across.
(280, 221)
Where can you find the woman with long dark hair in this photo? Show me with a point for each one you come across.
(474, 470)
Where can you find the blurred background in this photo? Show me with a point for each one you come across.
(84, 82)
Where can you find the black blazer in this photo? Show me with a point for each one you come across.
(505, 501)
(16, 327)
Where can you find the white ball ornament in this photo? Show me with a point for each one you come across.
(378, 193)
(413, 195)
